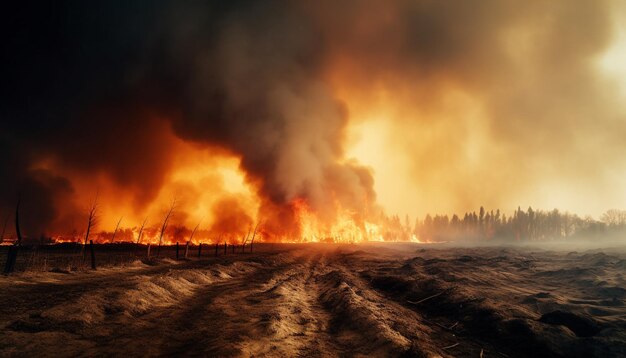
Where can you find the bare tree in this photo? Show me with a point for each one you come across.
(143, 224)
(116, 228)
(164, 226)
(245, 240)
(194, 230)
(13, 249)
(254, 235)
(190, 238)
(91, 222)
(614, 217)
(92, 218)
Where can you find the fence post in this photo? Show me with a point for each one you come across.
(187, 249)
(199, 249)
(177, 250)
(217, 246)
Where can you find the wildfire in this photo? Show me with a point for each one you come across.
(213, 194)
(344, 228)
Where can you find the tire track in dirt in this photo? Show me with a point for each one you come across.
(294, 322)
(219, 318)
(369, 323)
(273, 313)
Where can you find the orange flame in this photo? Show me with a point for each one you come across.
(344, 228)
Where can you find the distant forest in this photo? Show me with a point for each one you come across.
(529, 225)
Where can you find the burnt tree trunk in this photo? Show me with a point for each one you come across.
(93, 255)
(12, 254)
(11, 258)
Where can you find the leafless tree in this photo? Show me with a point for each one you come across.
(245, 240)
(194, 230)
(614, 217)
(12, 254)
(91, 222)
(164, 226)
(116, 228)
(92, 218)
(254, 234)
(143, 224)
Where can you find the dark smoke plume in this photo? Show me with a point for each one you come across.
(97, 86)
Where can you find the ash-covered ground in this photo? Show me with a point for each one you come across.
(325, 301)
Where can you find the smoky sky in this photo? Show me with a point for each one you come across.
(87, 84)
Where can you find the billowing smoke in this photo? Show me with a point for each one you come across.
(94, 90)
(108, 89)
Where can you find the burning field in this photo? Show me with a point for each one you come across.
(313, 178)
(328, 300)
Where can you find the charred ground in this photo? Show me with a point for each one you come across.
(327, 300)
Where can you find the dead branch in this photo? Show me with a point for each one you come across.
(438, 325)
(428, 298)
(450, 346)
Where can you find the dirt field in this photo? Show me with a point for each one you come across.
(326, 301)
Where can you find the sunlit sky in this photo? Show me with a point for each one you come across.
(384, 137)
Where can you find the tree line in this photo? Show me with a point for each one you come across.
(521, 225)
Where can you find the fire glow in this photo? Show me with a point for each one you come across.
(346, 228)
(310, 119)
(215, 201)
